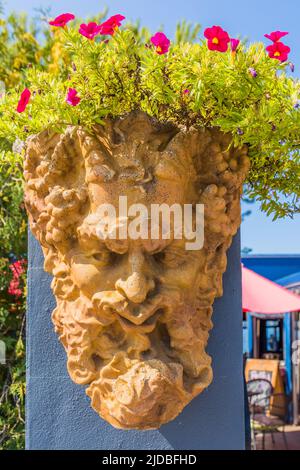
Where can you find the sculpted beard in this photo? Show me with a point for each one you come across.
(134, 315)
(144, 381)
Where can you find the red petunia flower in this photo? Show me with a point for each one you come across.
(72, 97)
(217, 39)
(13, 288)
(275, 36)
(278, 51)
(111, 25)
(90, 30)
(24, 100)
(161, 43)
(234, 44)
(61, 20)
(17, 268)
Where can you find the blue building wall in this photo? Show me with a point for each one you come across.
(273, 266)
(58, 413)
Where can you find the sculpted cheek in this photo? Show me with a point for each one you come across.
(86, 277)
(181, 277)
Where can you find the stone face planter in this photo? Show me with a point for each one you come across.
(134, 316)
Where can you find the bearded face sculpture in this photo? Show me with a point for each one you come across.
(134, 315)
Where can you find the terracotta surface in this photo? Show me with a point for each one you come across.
(134, 315)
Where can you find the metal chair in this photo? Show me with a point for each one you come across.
(259, 393)
(270, 417)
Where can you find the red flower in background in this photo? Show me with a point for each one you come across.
(72, 97)
(61, 20)
(275, 36)
(90, 30)
(217, 39)
(278, 51)
(111, 25)
(24, 100)
(161, 43)
(17, 269)
(234, 44)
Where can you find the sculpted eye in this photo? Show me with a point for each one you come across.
(105, 257)
(170, 257)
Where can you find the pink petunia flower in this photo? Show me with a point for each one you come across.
(161, 43)
(90, 30)
(234, 44)
(13, 288)
(72, 97)
(275, 36)
(217, 39)
(61, 20)
(24, 100)
(278, 51)
(17, 268)
(110, 26)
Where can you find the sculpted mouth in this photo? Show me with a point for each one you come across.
(146, 327)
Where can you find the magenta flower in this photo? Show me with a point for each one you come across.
(217, 39)
(275, 36)
(72, 97)
(186, 91)
(61, 20)
(279, 51)
(161, 43)
(90, 30)
(24, 100)
(234, 44)
(110, 26)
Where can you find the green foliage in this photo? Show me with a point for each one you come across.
(12, 373)
(115, 77)
(12, 308)
(13, 245)
(13, 226)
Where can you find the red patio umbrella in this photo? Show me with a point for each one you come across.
(260, 295)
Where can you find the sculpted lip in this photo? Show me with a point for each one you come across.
(147, 327)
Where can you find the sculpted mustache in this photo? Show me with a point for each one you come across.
(108, 302)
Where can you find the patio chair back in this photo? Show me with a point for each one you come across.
(259, 393)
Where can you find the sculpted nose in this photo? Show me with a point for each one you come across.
(137, 285)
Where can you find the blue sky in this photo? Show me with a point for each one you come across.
(248, 18)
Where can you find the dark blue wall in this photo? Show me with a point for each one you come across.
(58, 413)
